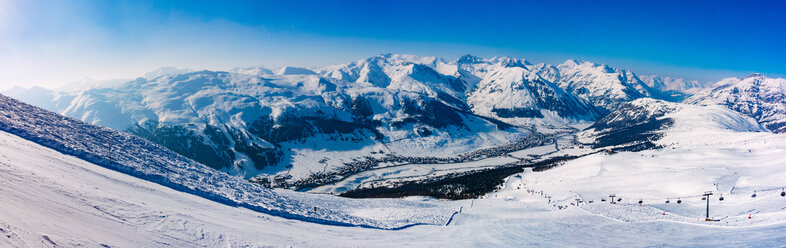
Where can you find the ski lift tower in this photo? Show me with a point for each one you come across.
(707, 195)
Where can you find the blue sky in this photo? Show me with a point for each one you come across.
(53, 42)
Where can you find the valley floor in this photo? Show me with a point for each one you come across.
(53, 200)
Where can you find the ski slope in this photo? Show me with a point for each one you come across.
(707, 149)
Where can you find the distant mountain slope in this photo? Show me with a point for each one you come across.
(299, 122)
(755, 95)
(247, 124)
(429, 76)
(142, 159)
(638, 124)
(678, 88)
(509, 90)
(606, 87)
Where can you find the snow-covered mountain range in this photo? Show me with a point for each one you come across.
(299, 122)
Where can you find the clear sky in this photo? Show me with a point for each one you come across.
(51, 42)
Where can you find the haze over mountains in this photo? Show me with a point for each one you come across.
(301, 122)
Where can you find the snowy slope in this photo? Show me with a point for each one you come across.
(56, 200)
(756, 96)
(706, 149)
(140, 158)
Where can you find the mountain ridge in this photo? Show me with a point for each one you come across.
(255, 121)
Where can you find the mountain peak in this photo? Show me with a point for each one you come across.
(468, 59)
(755, 75)
(511, 62)
(573, 62)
